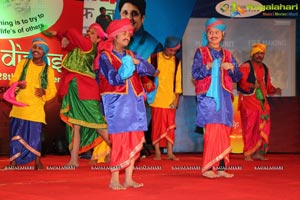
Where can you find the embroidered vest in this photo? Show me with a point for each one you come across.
(252, 78)
(80, 61)
(201, 86)
(135, 80)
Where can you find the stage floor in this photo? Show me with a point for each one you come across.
(276, 178)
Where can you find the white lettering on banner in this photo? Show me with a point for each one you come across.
(5, 76)
(11, 57)
(276, 43)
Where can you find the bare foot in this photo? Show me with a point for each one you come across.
(12, 164)
(93, 162)
(72, 164)
(172, 157)
(8, 167)
(157, 156)
(225, 174)
(133, 184)
(116, 186)
(248, 158)
(107, 158)
(38, 166)
(210, 174)
(259, 157)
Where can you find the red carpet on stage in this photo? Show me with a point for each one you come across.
(277, 178)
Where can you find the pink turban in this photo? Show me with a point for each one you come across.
(258, 48)
(101, 34)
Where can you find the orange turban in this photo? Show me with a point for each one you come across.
(258, 48)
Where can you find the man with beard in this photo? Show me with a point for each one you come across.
(253, 88)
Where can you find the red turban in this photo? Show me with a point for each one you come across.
(115, 27)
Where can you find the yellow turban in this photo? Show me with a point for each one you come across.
(258, 48)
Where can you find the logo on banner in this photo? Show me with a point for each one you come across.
(248, 8)
(244, 8)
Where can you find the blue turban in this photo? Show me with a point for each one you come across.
(172, 42)
(41, 43)
(215, 23)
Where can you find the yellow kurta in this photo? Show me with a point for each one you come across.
(35, 109)
(165, 93)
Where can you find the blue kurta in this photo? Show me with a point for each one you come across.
(206, 106)
(124, 112)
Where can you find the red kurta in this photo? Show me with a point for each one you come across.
(255, 118)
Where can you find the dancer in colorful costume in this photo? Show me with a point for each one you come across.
(34, 85)
(123, 100)
(85, 124)
(254, 108)
(214, 71)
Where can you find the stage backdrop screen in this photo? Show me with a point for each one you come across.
(240, 34)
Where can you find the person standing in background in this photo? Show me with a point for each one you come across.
(166, 100)
(103, 19)
(254, 108)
